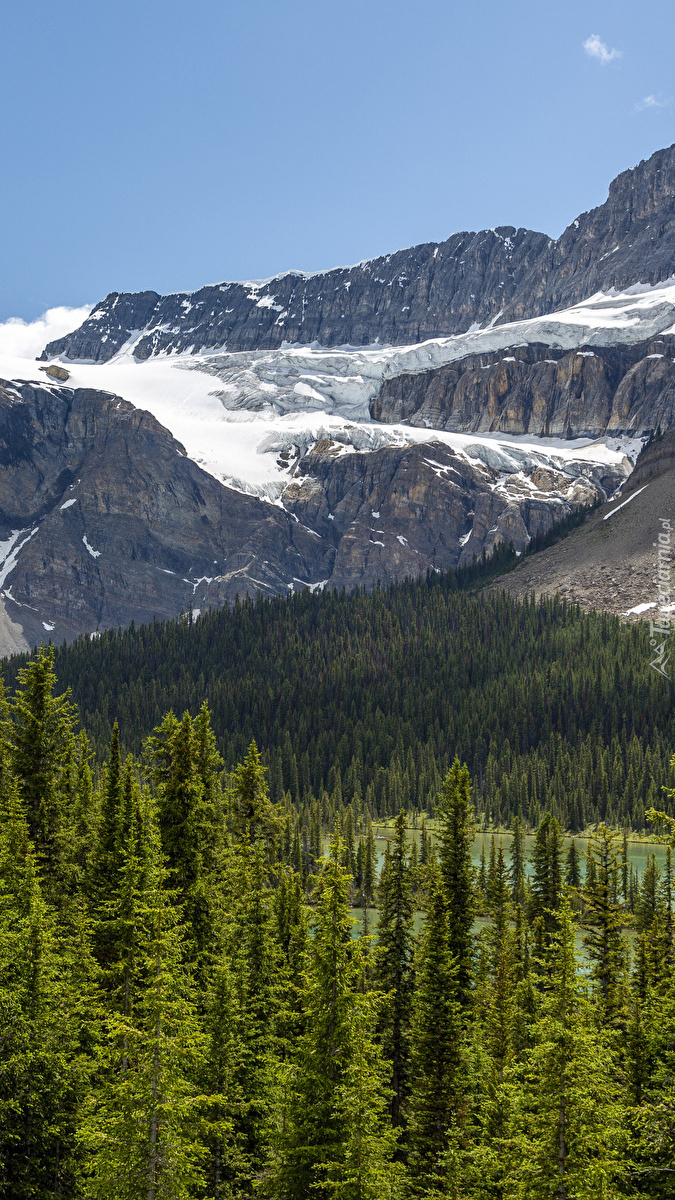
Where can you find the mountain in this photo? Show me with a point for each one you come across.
(609, 562)
(431, 290)
(106, 521)
(148, 471)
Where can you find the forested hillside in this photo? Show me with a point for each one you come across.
(366, 699)
(186, 1016)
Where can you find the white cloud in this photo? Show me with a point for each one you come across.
(653, 102)
(596, 48)
(27, 339)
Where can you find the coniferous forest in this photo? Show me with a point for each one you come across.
(366, 699)
(188, 1010)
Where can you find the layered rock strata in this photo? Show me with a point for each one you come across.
(431, 290)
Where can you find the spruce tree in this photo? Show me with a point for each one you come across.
(456, 831)
(210, 768)
(85, 819)
(496, 1040)
(252, 814)
(364, 1169)
(437, 1084)
(41, 724)
(649, 904)
(49, 1005)
(573, 872)
(227, 1166)
(393, 963)
(333, 1124)
(262, 984)
(184, 766)
(546, 891)
(106, 860)
(518, 863)
(603, 941)
(143, 1128)
(565, 1136)
(368, 886)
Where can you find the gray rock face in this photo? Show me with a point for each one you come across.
(610, 561)
(104, 520)
(540, 390)
(629, 239)
(401, 511)
(403, 297)
(430, 290)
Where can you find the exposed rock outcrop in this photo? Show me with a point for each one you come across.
(56, 372)
(541, 390)
(610, 561)
(104, 520)
(402, 511)
(431, 290)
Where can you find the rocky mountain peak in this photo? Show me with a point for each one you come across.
(430, 290)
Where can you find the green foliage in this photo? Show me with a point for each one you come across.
(141, 1131)
(456, 831)
(603, 941)
(565, 1127)
(48, 1004)
(335, 1135)
(393, 964)
(437, 1082)
(379, 693)
(40, 729)
(185, 1013)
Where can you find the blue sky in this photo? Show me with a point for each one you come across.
(164, 145)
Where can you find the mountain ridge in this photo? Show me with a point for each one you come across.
(153, 479)
(430, 290)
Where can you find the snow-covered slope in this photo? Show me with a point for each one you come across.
(236, 414)
(316, 490)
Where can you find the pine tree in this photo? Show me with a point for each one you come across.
(624, 867)
(518, 863)
(566, 1137)
(41, 724)
(393, 970)
(649, 901)
(656, 1150)
(436, 1038)
(668, 902)
(364, 1169)
(106, 859)
(337, 1067)
(121, 916)
(210, 768)
(368, 886)
(253, 816)
(261, 979)
(348, 835)
(143, 1128)
(291, 934)
(603, 941)
(546, 892)
(48, 1003)
(84, 819)
(573, 872)
(495, 1040)
(227, 1168)
(424, 845)
(456, 831)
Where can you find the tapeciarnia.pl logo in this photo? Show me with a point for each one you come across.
(660, 629)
